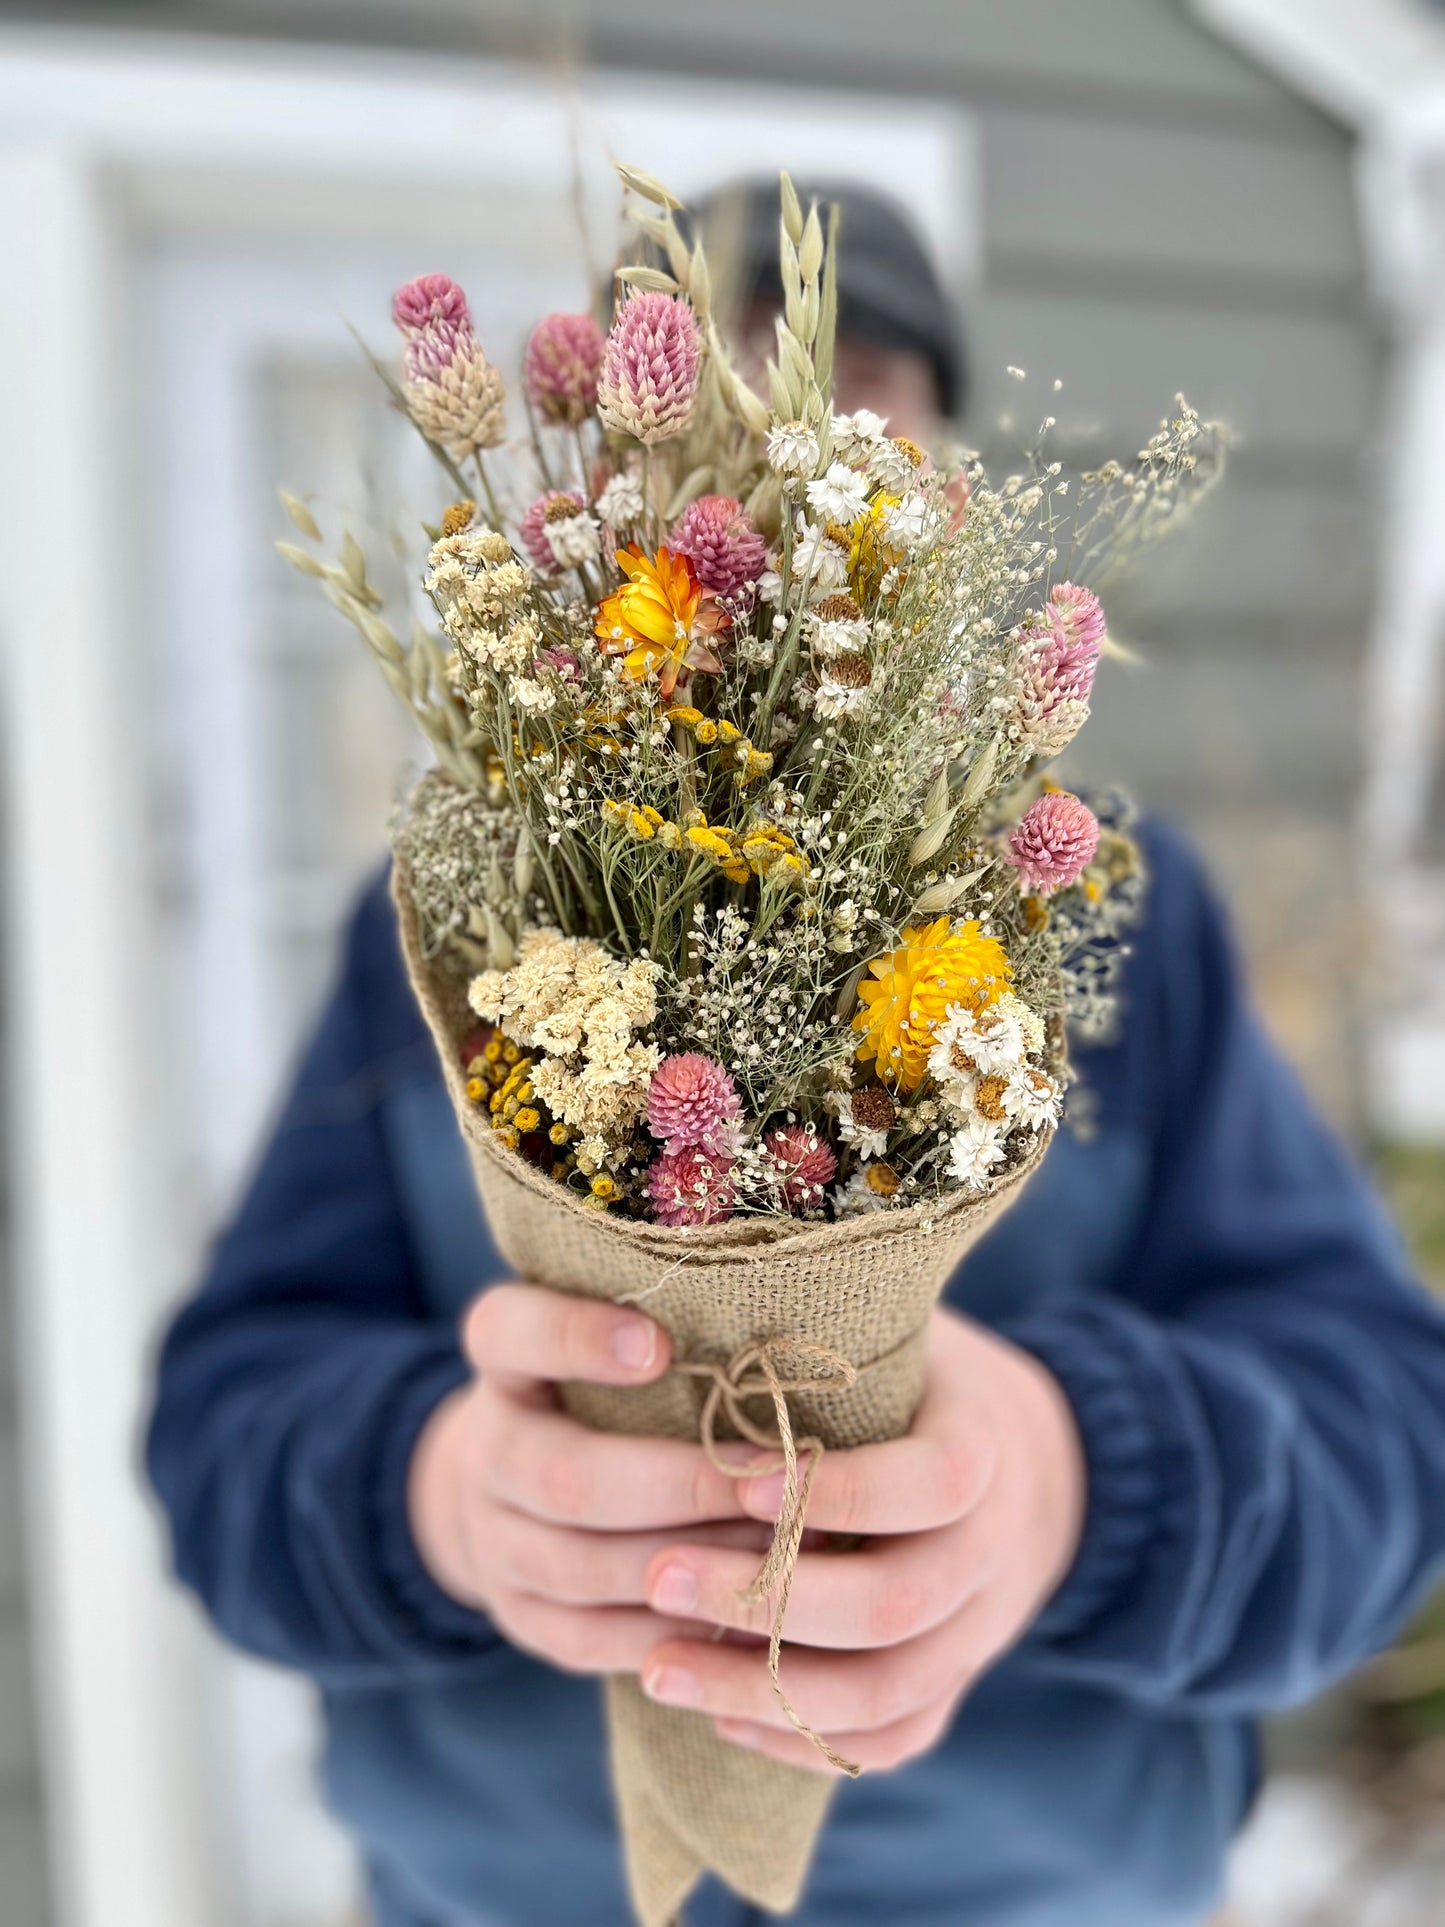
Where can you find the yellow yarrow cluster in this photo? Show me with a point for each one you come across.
(758, 851)
(500, 1075)
(732, 746)
(909, 993)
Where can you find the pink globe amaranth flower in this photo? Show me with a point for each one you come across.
(561, 366)
(1077, 614)
(691, 1186)
(804, 1162)
(430, 299)
(693, 1101)
(1051, 846)
(532, 529)
(650, 368)
(717, 536)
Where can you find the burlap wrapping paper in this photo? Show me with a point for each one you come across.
(688, 1802)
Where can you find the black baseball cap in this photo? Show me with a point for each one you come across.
(889, 292)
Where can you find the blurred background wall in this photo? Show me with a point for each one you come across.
(1129, 196)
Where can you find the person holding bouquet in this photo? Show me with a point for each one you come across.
(1179, 1460)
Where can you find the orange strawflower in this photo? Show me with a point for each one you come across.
(660, 620)
(913, 988)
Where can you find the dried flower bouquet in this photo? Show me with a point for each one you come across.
(748, 923)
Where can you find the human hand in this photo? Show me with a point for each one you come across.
(978, 1511)
(545, 1525)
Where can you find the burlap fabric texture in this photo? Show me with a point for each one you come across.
(836, 1312)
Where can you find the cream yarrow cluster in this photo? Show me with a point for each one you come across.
(585, 1014)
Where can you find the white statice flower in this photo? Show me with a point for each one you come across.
(840, 494)
(574, 539)
(974, 1152)
(620, 504)
(536, 698)
(792, 449)
(857, 437)
(833, 632)
(895, 465)
(1034, 1098)
(758, 652)
(910, 523)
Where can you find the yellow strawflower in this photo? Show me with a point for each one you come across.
(909, 993)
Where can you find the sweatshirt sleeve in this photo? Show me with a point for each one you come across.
(1263, 1404)
(292, 1387)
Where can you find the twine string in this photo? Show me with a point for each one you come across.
(758, 1371)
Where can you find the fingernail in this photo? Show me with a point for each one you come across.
(673, 1685)
(764, 1495)
(674, 1590)
(634, 1342)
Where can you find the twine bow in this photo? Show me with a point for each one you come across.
(757, 1371)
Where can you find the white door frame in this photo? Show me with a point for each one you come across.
(109, 140)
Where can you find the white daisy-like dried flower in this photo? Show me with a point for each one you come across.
(836, 627)
(895, 465)
(840, 494)
(858, 437)
(574, 538)
(975, 1151)
(1036, 1098)
(861, 1193)
(980, 1042)
(620, 504)
(845, 687)
(827, 568)
(770, 588)
(864, 1119)
(792, 449)
(910, 523)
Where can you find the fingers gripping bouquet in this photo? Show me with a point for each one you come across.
(744, 915)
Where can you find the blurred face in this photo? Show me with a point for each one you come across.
(894, 382)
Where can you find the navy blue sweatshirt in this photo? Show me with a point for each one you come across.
(1259, 1385)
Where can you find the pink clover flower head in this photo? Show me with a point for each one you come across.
(561, 366)
(1053, 843)
(429, 300)
(691, 1186)
(532, 529)
(692, 1101)
(1077, 614)
(452, 392)
(1057, 676)
(718, 537)
(650, 368)
(803, 1162)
